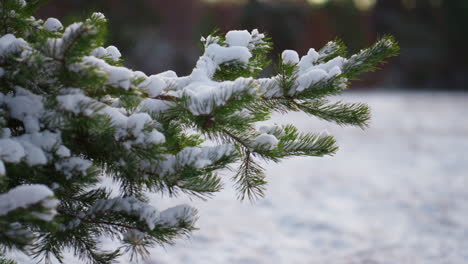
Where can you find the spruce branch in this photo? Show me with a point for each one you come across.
(367, 60)
(72, 115)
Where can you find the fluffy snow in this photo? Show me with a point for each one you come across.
(266, 141)
(153, 105)
(311, 73)
(52, 24)
(203, 97)
(221, 54)
(154, 85)
(238, 38)
(63, 152)
(194, 157)
(173, 215)
(155, 137)
(113, 53)
(118, 76)
(133, 125)
(137, 121)
(26, 107)
(9, 44)
(290, 57)
(110, 52)
(34, 154)
(129, 205)
(73, 165)
(24, 196)
(11, 150)
(308, 60)
(309, 78)
(145, 212)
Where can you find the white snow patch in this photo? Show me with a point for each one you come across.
(220, 54)
(24, 196)
(154, 85)
(52, 24)
(113, 53)
(9, 44)
(11, 150)
(172, 216)
(290, 57)
(309, 78)
(63, 152)
(266, 141)
(238, 38)
(118, 76)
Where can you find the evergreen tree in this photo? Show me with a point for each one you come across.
(71, 115)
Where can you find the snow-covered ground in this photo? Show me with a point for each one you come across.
(395, 193)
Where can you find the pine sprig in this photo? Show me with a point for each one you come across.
(354, 114)
(367, 60)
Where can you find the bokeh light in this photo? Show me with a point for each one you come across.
(317, 2)
(364, 5)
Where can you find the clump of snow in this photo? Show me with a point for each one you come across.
(52, 24)
(137, 121)
(270, 87)
(24, 196)
(309, 78)
(99, 52)
(11, 150)
(73, 102)
(118, 76)
(271, 129)
(266, 141)
(134, 236)
(113, 53)
(333, 63)
(154, 106)
(194, 157)
(63, 152)
(221, 54)
(308, 60)
(290, 57)
(238, 38)
(154, 85)
(25, 106)
(34, 154)
(9, 44)
(146, 213)
(73, 165)
(110, 52)
(98, 15)
(168, 74)
(203, 97)
(257, 40)
(174, 215)
(134, 125)
(155, 137)
(45, 139)
(128, 205)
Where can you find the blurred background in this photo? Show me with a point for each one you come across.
(394, 193)
(157, 35)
